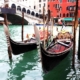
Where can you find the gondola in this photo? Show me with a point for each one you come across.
(55, 53)
(19, 47)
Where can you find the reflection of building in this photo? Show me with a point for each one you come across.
(62, 8)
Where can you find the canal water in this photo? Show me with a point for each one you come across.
(27, 66)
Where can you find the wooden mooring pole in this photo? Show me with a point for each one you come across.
(22, 25)
(52, 24)
(49, 16)
(75, 27)
(47, 22)
(8, 42)
(79, 44)
(74, 47)
(44, 25)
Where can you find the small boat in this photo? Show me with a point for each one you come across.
(55, 52)
(19, 47)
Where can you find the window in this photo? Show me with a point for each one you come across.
(71, 14)
(60, 14)
(67, 15)
(34, 7)
(48, 6)
(71, 0)
(44, 4)
(57, 6)
(67, 8)
(63, 14)
(40, 5)
(60, 1)
(40, 10)
(70, 8)
(39, 0)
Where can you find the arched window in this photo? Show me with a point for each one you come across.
(63, 14)
(24, 10)
(37, 14)
(28, 11)
(19, 8)
(67, 15)
(13, 6)
(60, 15)
(32, 13)
(39, 0)
(71, 14)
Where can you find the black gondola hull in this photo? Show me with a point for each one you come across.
(21, 47)
(49, 61)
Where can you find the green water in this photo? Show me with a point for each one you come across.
(28, 66)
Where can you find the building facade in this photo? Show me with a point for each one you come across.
(35, 4)
(41, 4)
(63, 8)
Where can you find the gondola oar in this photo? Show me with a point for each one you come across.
(75, 27)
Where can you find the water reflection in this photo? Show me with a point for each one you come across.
(27, 67)
(74, 74)
(61, 70)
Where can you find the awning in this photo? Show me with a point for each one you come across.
(70, 19)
